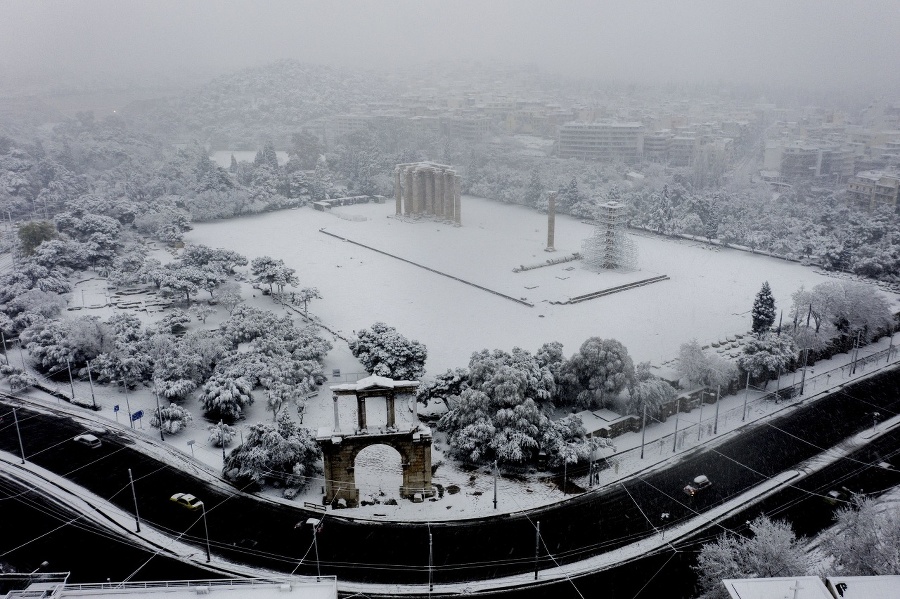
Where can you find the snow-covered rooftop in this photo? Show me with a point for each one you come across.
(800, 587)
(374, 382)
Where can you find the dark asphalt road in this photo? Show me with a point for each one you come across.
(258, 533)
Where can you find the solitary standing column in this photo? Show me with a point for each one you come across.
(408, 195)
(397, 192)
(551, 221)
(457, 216)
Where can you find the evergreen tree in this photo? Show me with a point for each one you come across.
(534, 191)
(234, 166)
(763, 310)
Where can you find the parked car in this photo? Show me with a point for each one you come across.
(698, 484)
(840, 496)
(88, 440)
(186, 500)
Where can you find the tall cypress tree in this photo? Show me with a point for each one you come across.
(763, 310)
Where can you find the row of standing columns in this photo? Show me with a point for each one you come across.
(427, 189)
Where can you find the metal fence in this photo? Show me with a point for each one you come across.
(710, 422)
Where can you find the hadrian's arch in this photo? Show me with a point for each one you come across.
(340, 448)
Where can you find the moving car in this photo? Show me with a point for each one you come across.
(698, 484)
(186, 500)
(88, 440)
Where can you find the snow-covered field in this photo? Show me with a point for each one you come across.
(708, 295)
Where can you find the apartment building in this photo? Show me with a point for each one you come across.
(602, 141)
(875, 188)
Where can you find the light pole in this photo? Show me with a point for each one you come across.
(159, 415)
(315, 523)
(19, 433)
(128, 404)
(137, 518)
(206, 530)
(875, 416)
(495, 481)
(91, 381)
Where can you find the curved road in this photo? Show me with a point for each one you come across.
(262, 533)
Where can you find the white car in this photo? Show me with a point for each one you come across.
(186, 500)
(88, 440)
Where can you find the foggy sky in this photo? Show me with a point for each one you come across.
(830, 43)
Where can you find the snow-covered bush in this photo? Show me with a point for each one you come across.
(220, 435)
(772, 550)
(865, 539)
(385, 352)
(281, 452)
(764, 357)
(697, 367)
(226, 397)
(174, 418)
(596, 373)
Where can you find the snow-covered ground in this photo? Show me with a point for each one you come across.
(707, 297)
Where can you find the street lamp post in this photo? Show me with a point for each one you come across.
(315, 523)
(159, 415)
(128, 404)
(206, 530)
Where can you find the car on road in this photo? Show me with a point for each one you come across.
(698, 484)
(88, 440)
(186, 500)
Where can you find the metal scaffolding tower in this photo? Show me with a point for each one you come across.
(608, 248)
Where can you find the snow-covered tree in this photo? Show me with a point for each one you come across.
(865, 540)
(595, 374)
(698, 367)
(171, 419)
(33, 234)
(648, 391)
(220, 435)
(226, 397)
(230, 296)
(272, 272)
(385, 352)
(763, 310)
(764, 357)
(280, 452)
(57, 343)
(773, 550)
(443, 386)
(202, 311)
(511, 377)
(306, 295)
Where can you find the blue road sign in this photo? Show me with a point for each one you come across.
(137, 415)
(116, 408)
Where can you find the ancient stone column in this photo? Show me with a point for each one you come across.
(457, 216)
(448, 195)
(428, 178)
(397, 191)
(408, 195)
(337, 423)
(417, 192)
(361, 409)
(551, 221)
(439, 193)
(391, 417)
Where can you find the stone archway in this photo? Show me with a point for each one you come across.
(340, 448)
